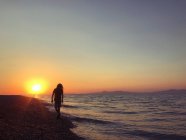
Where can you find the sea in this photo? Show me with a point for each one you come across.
(118, 116)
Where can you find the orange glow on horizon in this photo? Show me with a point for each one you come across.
(36, 84)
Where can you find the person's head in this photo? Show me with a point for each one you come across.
(59, 86)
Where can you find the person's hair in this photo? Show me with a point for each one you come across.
(59, 85)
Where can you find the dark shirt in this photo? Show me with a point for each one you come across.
(58, 95)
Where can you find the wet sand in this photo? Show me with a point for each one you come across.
(25, 118)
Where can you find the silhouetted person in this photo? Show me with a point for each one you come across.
(57, 95)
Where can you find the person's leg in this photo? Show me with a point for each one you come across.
(58, 113)
(58, 109)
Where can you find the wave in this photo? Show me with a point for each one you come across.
(89, 120)
(170, 113)
(64, 105)
(120, 112)
(70, 106)
(156, 135)
(156, 120)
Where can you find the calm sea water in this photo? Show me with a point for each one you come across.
(127, 116)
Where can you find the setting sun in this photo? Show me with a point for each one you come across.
(36, 86)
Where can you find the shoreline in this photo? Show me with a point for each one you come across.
(27, 118)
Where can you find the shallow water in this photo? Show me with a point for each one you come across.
(128, 116)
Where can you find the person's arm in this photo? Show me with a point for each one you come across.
(52, 97)
(62, 96)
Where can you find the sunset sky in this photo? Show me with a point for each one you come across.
(92, 45)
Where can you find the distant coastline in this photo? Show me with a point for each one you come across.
(168, 91)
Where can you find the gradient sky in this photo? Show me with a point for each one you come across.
(93, 45)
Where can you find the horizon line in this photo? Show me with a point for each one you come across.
(102, 92)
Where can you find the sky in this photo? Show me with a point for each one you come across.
(93, 45)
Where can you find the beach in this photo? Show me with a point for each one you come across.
(26, 118)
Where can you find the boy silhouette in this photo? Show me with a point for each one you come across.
(57, 95)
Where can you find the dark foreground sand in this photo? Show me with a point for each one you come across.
(24, 118)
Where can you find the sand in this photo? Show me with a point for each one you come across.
(25, 118)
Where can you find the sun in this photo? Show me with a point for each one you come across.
(36, 86)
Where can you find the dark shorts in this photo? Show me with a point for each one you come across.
(57, 104)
